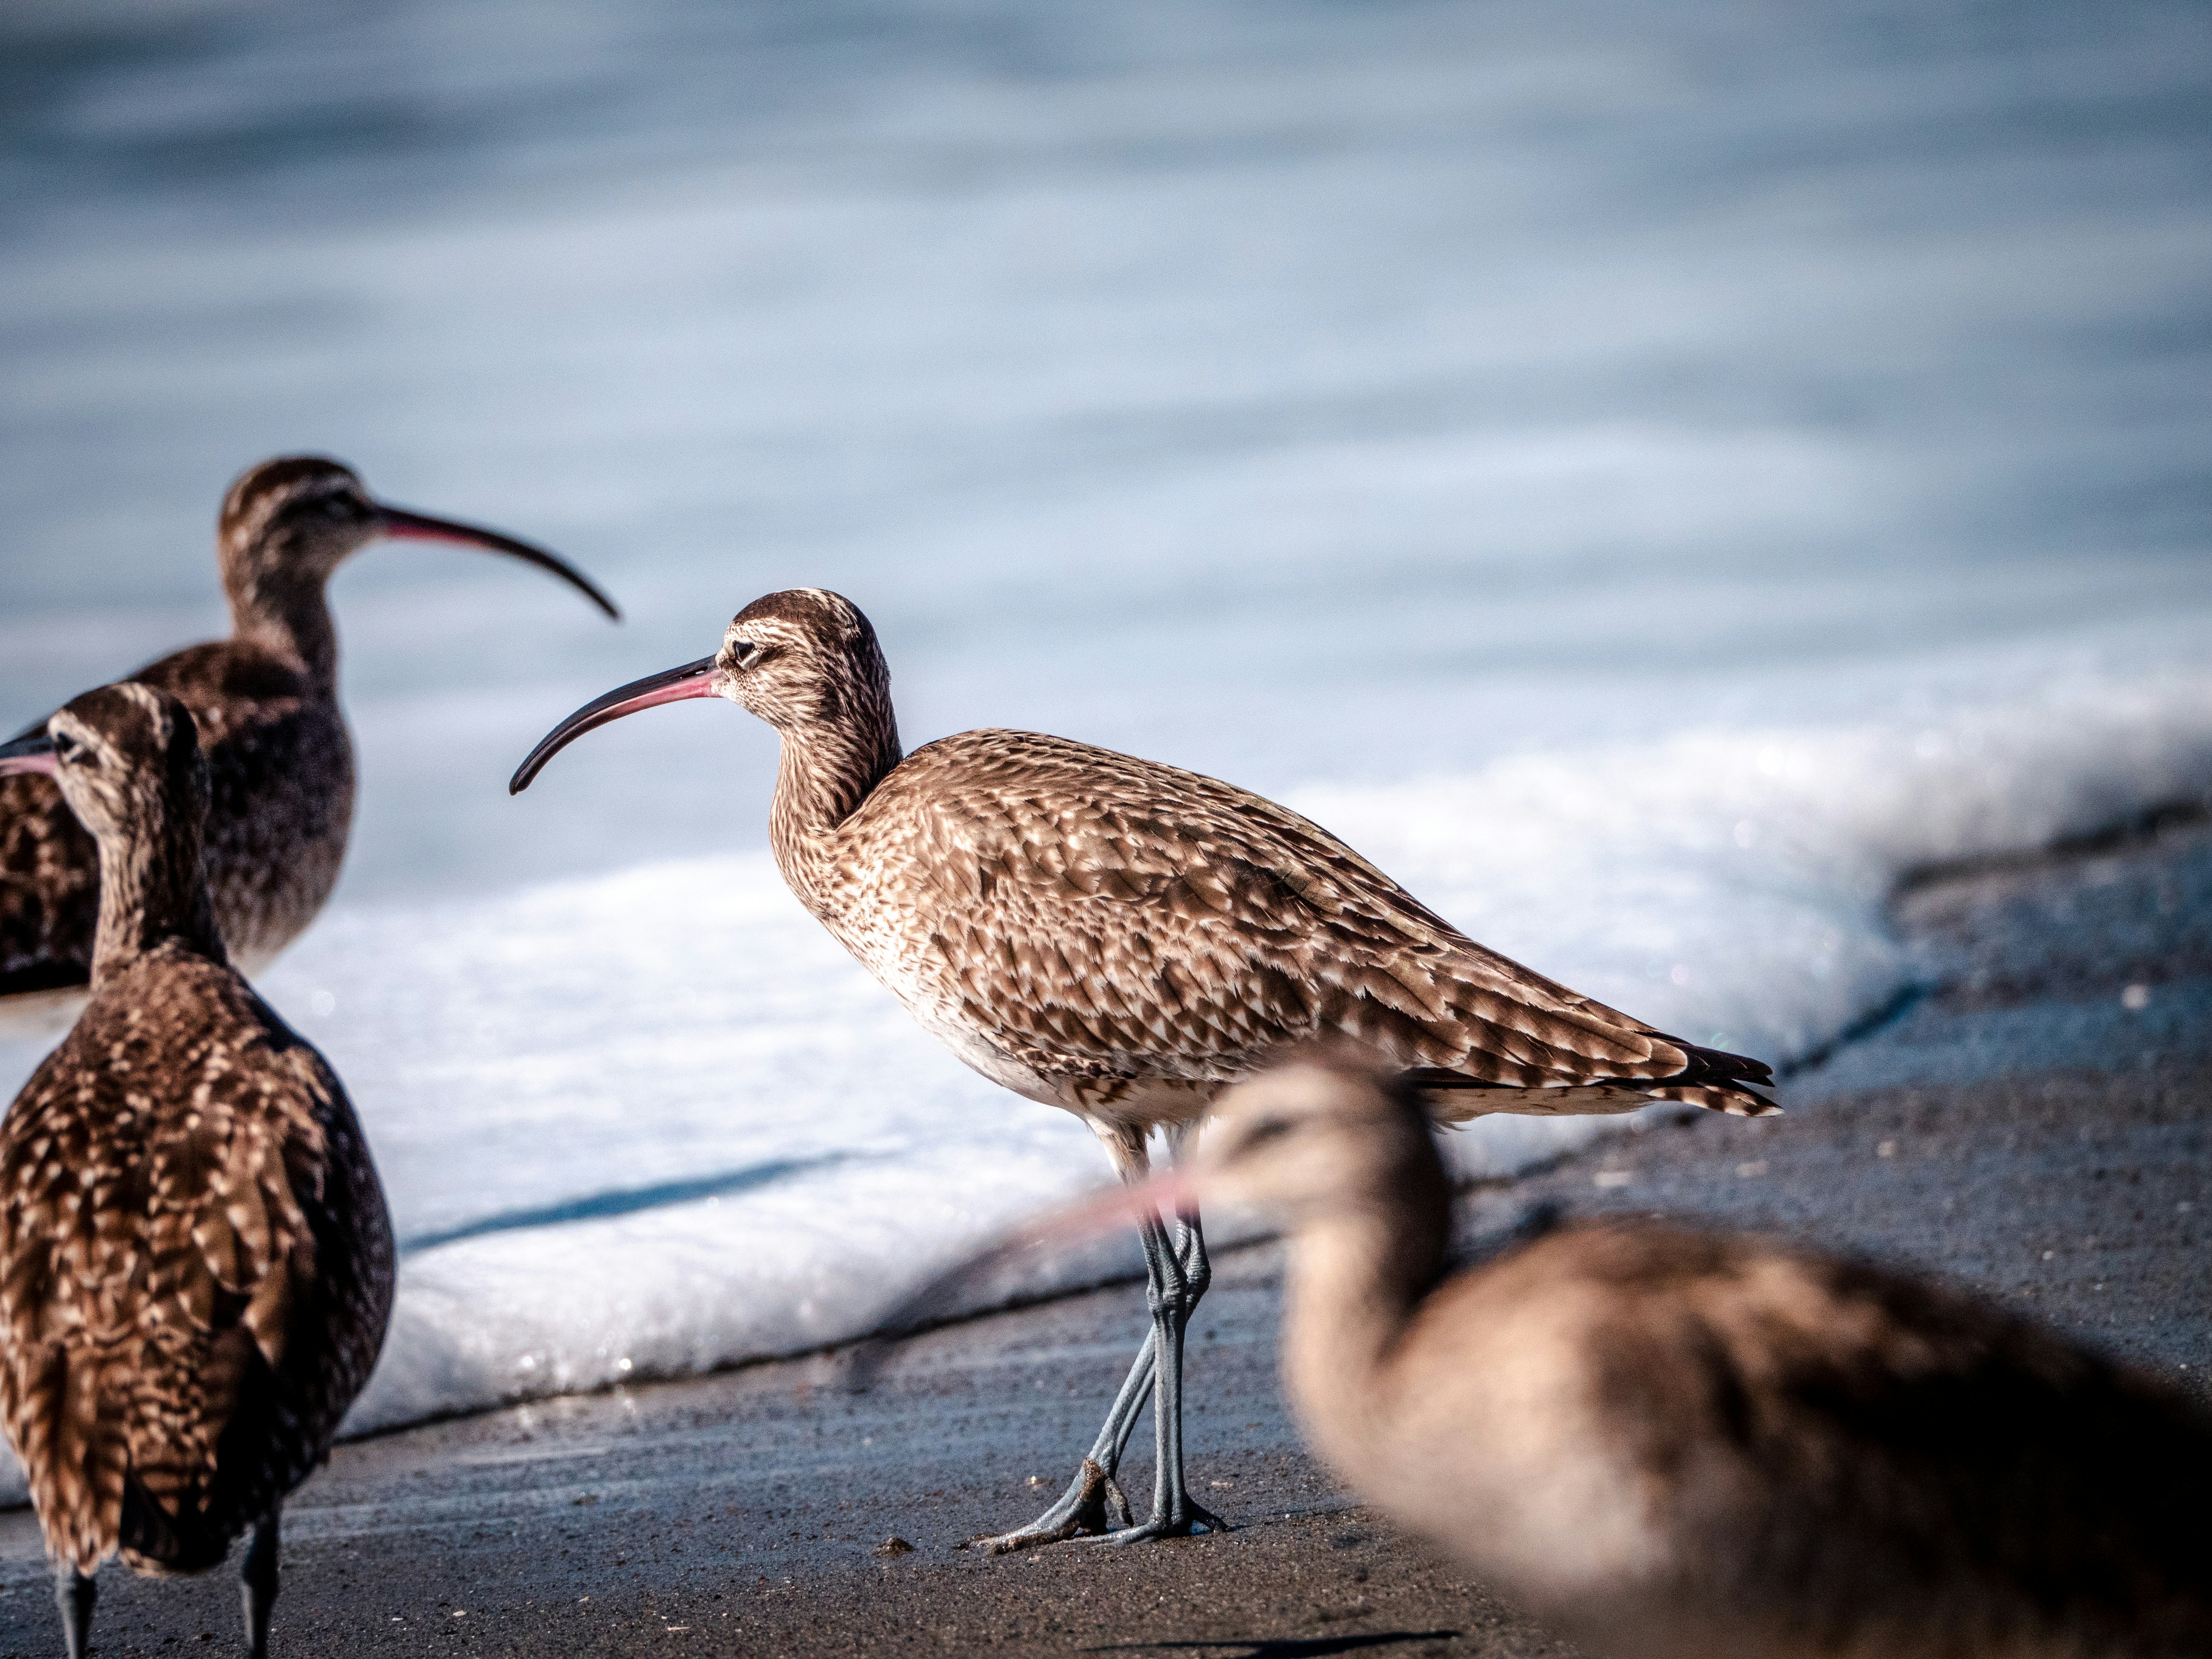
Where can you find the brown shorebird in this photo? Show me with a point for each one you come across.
(1124, 940)
(1678, 1444)
(266, 701)
(196, 1263)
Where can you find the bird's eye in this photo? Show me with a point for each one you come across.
(336, 507)
(69, 751)
(746, 653)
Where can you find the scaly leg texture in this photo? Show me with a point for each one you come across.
(1083, 1508)
(1177, 1275)
(257, 1581)
(75, 1593)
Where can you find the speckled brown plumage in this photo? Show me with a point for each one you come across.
(280, 781)
(280, 760)
(1122, 938)
(1672, 1443)
(196, 1262)
(1125, 939)
(1105, 923)
(197, 1267)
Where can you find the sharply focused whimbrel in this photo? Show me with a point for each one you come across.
(1123, 939)
(1676, 1444)
(196, 1264)
(279, 760)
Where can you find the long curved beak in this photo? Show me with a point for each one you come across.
(1165, 1193)
(32, 752)
(694, 680)
(946, 1294)
(401, 525)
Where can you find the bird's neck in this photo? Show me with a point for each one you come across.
(152, 891)
(1356, 1280)
(288, 611)
(827, 769)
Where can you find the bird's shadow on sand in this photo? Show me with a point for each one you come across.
(1260, 1647)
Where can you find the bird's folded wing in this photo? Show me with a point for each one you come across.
(1096, 915)
(146, 1276)
(49, 889)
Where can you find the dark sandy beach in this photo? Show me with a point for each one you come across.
(2033, 1126)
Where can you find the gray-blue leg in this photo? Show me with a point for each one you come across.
(1175, 1276)
(1083, 1508)
(75, 1593)
(257, 1581)
(1177, 1273)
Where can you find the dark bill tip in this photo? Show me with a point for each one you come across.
(32, 752)
(400, 524)
(694, 680)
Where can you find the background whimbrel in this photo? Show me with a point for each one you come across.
(265, 700)
(196, 1262)
(1674, 1443)
(1123, 938)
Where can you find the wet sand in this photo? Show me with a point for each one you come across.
(2035, 1125)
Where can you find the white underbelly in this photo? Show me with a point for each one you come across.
(979, 1054)
(1104, 1103)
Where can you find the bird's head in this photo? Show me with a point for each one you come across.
(1323, 1133)
(802, 658)
(288, 523)
(127, 759)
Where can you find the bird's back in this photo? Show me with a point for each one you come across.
(1769, 1452)
(196, 1267)
(1097, 915)
(48, 890)
(281, 779)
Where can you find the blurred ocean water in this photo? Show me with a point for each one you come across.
(1646, 474)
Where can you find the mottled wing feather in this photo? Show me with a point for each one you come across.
(280, 777)
(157, 1177)
(1097, 916)
(49, 889)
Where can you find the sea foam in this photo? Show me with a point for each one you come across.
(650, 1123)
(1648, 521)
(586, 1043)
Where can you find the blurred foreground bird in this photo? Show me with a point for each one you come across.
(1675, 1445)
(1123, 939)
(196, 1262)
(266, 700)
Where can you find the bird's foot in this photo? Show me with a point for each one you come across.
(1082, 1511)
(1193, 1518)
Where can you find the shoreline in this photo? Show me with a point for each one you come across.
(2032, 1103)
(2139, 830)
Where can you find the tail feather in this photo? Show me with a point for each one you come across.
(1736, 1102)
(154, 1540)
(1710, 1077)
